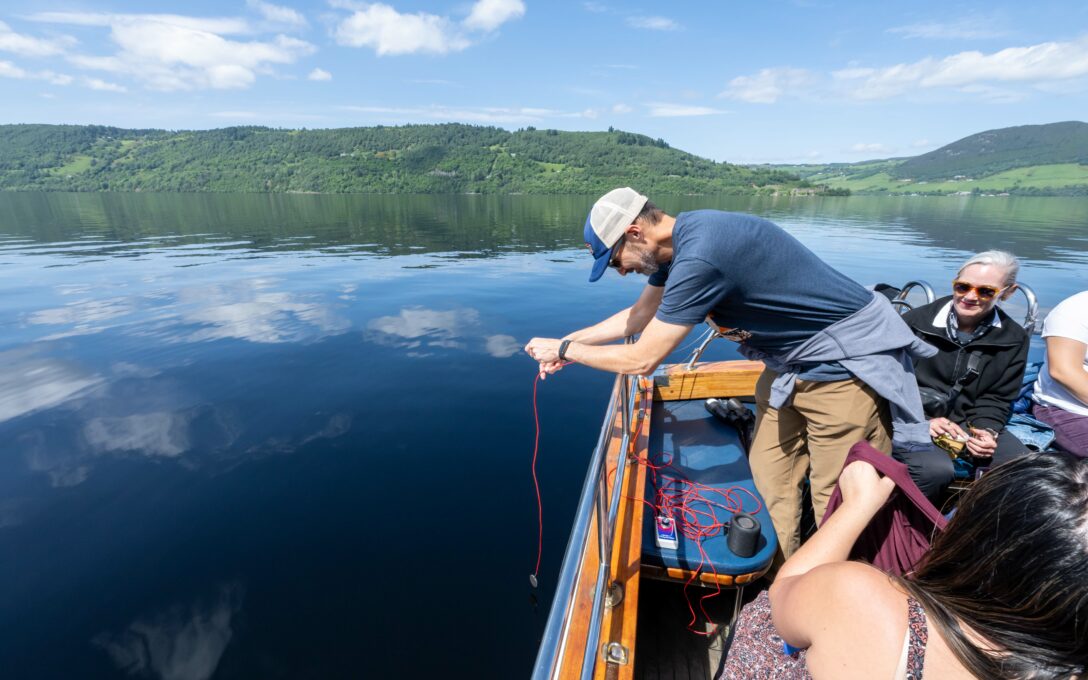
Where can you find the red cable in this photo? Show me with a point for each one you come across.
(536, 484)
(676, 496)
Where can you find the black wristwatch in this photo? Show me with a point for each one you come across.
(563, 350)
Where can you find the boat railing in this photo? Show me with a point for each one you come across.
(1032, 314)
(900, 300)
(595, 507)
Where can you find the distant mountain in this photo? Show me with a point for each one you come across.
(1026, 160)
(448, 158)
(988, 153)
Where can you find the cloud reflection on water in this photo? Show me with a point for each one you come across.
(419, 329)
(30, 382)
(246, 309)
(184, 642)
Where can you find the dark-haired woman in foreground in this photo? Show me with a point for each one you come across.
(1003, 593)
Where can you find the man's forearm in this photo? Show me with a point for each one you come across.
(616, 327)
(626, 359)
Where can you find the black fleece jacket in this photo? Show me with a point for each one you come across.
(986, 401)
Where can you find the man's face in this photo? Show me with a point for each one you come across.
(633, 257)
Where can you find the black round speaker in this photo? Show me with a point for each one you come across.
(743, 539)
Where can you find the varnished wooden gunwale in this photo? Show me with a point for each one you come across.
(713, 379)
(619, 622)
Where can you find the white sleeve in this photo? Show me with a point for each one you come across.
(1069, 319)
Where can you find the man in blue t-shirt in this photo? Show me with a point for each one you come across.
(763, 289)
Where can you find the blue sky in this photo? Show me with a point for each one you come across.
(800, 80)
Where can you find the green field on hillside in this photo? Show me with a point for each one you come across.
(1058, 178)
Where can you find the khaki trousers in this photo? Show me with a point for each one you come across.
(810, 437)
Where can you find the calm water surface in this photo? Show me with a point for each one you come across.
(289, 436)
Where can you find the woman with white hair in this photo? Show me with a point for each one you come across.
(968, 387)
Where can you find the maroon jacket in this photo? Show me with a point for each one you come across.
(899, 534)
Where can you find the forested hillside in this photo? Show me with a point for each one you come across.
(449, 158)
(1039, 160)
(988, 153)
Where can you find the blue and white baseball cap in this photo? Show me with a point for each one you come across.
(607, 222)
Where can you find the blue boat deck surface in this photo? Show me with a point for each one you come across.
(705, 450)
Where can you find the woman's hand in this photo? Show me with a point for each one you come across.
(940, 426)
(982, 443)
(863, 488)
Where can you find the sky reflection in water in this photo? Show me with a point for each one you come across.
(286, 436)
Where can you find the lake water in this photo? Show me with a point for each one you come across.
(289, 436)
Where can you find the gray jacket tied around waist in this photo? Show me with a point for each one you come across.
(877, 347)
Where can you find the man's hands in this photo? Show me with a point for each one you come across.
(546, 351)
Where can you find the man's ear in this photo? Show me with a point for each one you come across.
(635, 230)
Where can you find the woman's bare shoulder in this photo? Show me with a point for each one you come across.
(870, 618)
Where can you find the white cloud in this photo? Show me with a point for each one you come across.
(665, 110)
(621, 108)
(319, 74)
(387, 31)
(921, 143)
(653, 23)
(226, 26)
(170, 52)
(971, 28)
(26, 46)
(10, 70)
(489, 115)
(769, 85)
(284, 16)
(103, 86)
(1029, 65)
(488, 15)
(390, 32)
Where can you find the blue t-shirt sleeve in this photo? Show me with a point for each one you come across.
(693, 289)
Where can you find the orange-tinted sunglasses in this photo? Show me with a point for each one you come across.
(983, 292)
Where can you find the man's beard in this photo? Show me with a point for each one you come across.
(647, 265)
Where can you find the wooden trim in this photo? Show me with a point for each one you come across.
(620, 622)
(715, 379)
